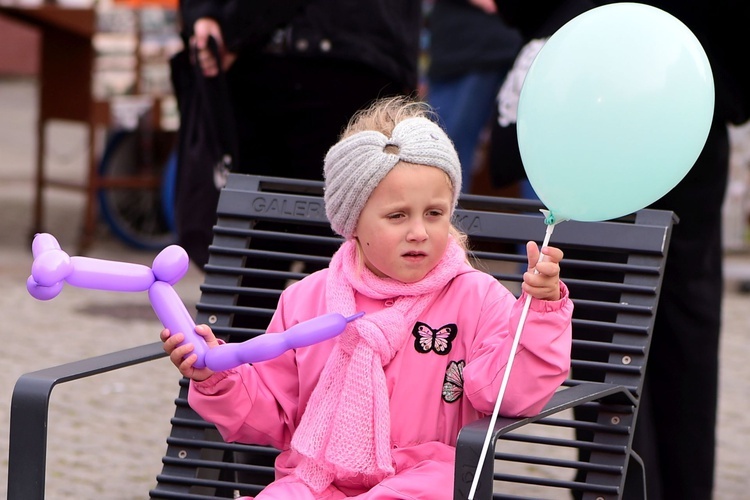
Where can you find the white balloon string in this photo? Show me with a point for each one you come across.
(506, 375)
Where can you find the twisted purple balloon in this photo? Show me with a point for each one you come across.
(52, 267)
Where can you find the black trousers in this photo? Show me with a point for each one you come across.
(676, 426)
(675, 432)
(290, 111)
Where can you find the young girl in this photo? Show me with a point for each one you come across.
(375, 412)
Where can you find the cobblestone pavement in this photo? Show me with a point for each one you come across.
(107, 433)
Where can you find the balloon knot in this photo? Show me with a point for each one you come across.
(549, 217)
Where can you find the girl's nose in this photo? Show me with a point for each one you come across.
(417, 231)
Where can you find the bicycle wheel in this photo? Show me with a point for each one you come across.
(137, 214)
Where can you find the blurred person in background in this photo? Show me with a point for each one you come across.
(676, 428)
(295, 72)
(470, 51)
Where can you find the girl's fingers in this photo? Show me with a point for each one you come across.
(207, 334)
(552, 254)
(182, 356)
(186, 365)
(549, 265)
(164, 335)
(540, 281)
(172, 341)
(179, 353)
(542, 278)
(548, 269)
(532, 254)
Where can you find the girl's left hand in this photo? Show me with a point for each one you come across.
(181, 355)
(542, 279)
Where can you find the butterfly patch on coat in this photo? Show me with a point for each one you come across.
(439, 341)
(453, 384)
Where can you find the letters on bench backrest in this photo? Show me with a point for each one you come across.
(273, 231)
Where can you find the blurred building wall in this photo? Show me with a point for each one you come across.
(19, 48)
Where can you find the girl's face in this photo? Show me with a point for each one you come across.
(403, 228)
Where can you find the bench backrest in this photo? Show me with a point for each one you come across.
(272, 231)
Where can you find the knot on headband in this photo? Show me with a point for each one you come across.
(356, 165)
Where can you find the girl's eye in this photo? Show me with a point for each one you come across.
(394, 216)
(435, 213)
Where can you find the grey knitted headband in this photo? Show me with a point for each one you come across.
(356, 165)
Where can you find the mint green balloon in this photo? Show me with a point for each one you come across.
(614, 111)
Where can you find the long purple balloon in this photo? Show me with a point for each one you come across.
(52, 267)
(174, 316)
(271, 345)
(99, 274)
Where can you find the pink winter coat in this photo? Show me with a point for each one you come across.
(447, 374)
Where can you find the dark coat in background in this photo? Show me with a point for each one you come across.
(303, 69)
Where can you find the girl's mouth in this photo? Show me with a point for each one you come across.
(414, 255)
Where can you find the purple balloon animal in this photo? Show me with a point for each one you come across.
(53, 267)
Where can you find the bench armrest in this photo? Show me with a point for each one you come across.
(472, 436)
(29, 409)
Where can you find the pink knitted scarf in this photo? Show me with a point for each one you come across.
(346, 428)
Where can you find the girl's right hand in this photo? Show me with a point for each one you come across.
(181, 356)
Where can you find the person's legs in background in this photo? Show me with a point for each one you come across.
(681, 392)
(464, 104)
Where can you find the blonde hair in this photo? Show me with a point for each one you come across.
(384, 114)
